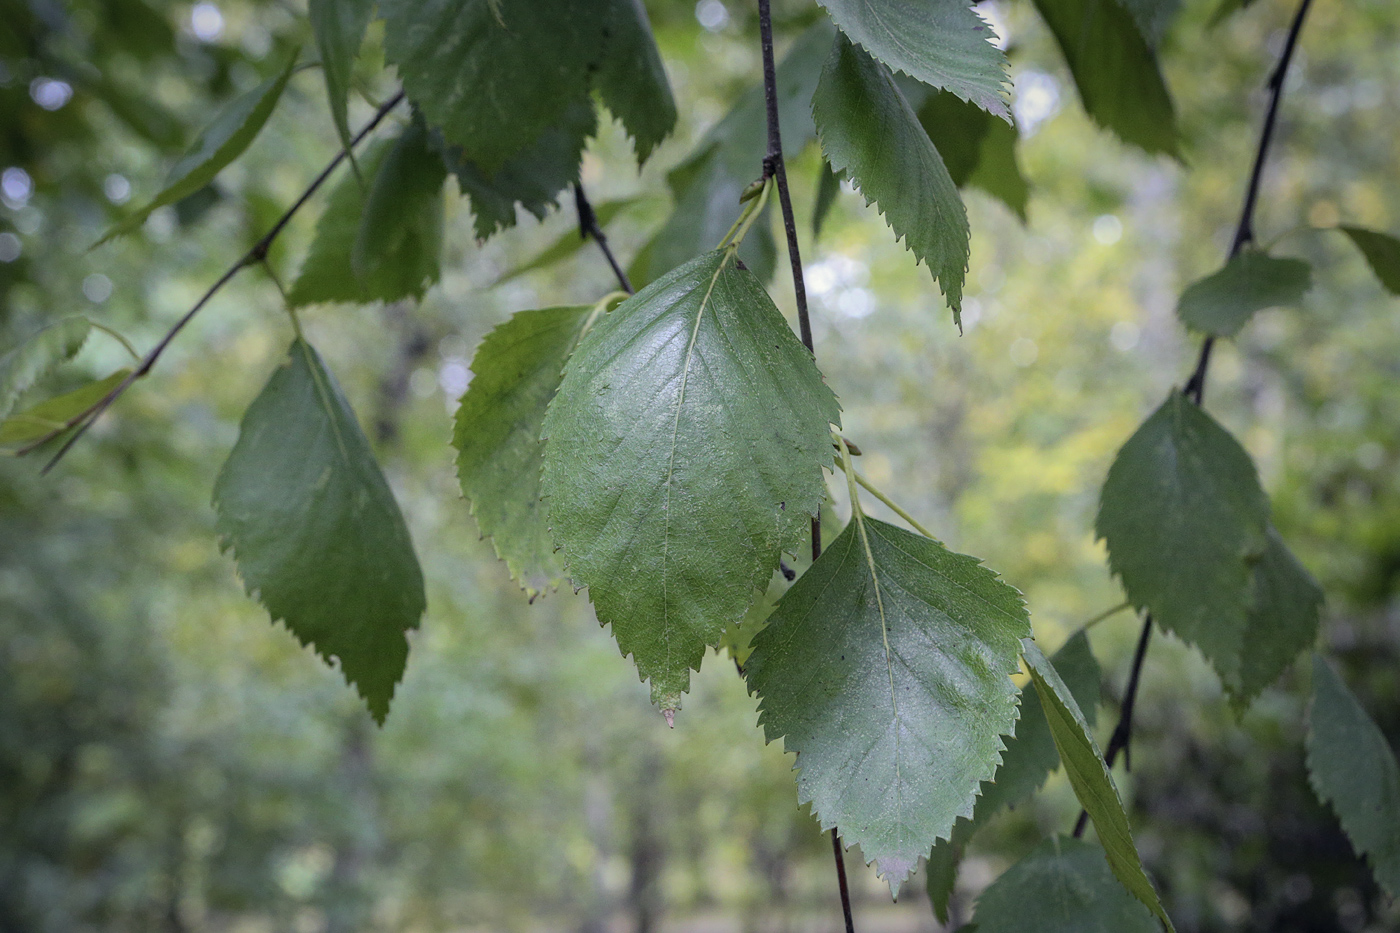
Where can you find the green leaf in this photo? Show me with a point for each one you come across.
(1284, 610)
(683, 454)
(516, 372)
(222, 141)
(403, 272)
(52, 416)
(1222, 303)
(1353, 768)
(1152, 17)
(1115, 70)
(998, 170)
(1382, 252)
(977, 149)
(1091, 780)
(828, 187)
(402, 212)
(886, 668)
(869, 133)
(1185, 520)
(316, 531)
(569, 243)
(1070, 889)
(942, 43)
(1226, 9)
(941, 868)
(532, 178)
(339, 27)
(496, 74)
(38, 356)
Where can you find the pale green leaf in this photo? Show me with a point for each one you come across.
(1068, 888)
(403, 210)
(1382, 252)
(569, 243)
(886, 668)
(1185, 520)
(1353, 768)
(37, 356)
(315, 529)
(869, 133)
(339, 27)
(942, 43)
(1222, 303)
(1091, 780)
(232, 131)
(53, 415)
(1284, 605)
(1116, 72)
(683, 454)
(515, 373)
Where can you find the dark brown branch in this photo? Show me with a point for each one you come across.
(1121, 740)
(589, 228)
(257, 253)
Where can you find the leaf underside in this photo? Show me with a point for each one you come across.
(1223, 302)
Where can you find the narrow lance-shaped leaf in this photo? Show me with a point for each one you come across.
(1184, 519)
(1223, 302)
(224, 140)
(1067, 886)
(315, 529)
(38, 356)
(516, 372)
(51, 417)
(1382, 252)
(942, 43)
(1089, 776)
(870, 133)
(886, 668)
(1353, 768)
(683, 454)
(339, 27)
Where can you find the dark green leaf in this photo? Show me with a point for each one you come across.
(38, 356)
(998, 171)
(683, 454)
(339, 27)
(412, 238)
(631, 78)
(828, 187)
(1068, 887)
(52, 416)
(942, 43)
(1382, 252)
(1283, 619)
(1116, 72)
(222, 141)
(569, 243)
(316, 531)
(1185, 520)
(1091, 780)
(1152, 17)
(403, 210)
(1223, 302)
(886, 668)
(869, 133)
(516, 372)
(1353, 768)
(977, 149)
(941, 868)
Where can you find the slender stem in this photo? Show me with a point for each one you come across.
(841, 881)
(871, 488)
(589, 228)
(1106, 614)
(117, 336)
(256, 254)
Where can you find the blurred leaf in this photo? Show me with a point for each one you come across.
(339, 27)
(516, 372)
(140, 112)
(828, 187)
(1184, 519)
(315, 529)
(1152, 17)
(1068, 887)
(941, 868)
(886, 668)
(870, 134)
(978, 149)
(1283, 620)
(222, 141)
(1353, 769)
(683, 454)
(402, 212)
(1382, 252)
(1226, 9)
(1223, 302)
(942, 43)
(52, 416)
(998, 172)
(1116, 72)
(1091, 780)
(569, 243)
(38, 356)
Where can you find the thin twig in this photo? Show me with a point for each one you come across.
(1121, 740)
(256, 254)
(589, 228)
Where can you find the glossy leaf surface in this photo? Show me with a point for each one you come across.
(1223, 302)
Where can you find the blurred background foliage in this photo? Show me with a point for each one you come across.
(169, 760)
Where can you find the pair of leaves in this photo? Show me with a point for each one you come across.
(1188, 531)
(224, 140)
(380, 239)
(1353, 768)
(886, 668)
(1222, 303)
(315, 529)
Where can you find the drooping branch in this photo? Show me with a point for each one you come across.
(590, 229)
(257, 253)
